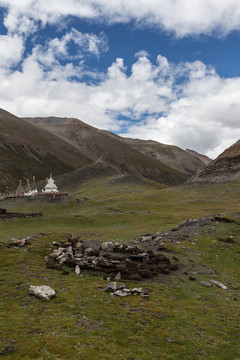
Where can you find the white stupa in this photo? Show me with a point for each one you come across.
(51, 187)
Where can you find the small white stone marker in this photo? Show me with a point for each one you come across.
(77, 270)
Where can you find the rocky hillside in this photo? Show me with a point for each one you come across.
(26, 150)
(225, 168)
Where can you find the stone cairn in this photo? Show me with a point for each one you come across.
(113, 258)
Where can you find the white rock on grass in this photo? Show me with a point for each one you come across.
(122, 293)
(136, 291)
(77, 270)
(43, 292)
(222, 286)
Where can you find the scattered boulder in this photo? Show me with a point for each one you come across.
(42, 292)
(111, 287)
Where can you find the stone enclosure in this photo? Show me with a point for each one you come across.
(113, 258)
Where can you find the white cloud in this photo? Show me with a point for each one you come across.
(183, 17)
(11, 50)
(201, 113)
(15, 22)
(58, 49)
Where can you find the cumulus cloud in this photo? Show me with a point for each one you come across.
(11, 50)
(15, 22)
(147, 101)
(186, 104)
(58, 49)
(182, 17)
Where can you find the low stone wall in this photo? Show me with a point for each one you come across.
(113, 258)
(4, 215)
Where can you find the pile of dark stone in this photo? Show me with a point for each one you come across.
(4, 215)
(113, 258)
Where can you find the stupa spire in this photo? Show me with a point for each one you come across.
(51, 187)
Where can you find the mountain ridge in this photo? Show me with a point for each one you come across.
(38, 146)
(113, 150)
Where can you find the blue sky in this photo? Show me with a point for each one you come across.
(162, 70)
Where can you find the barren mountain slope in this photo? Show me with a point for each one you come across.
(170, 155)
(205, 159)
(26, 150)
(98, 144)
(225, 168)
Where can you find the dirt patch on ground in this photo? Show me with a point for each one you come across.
(188, 230)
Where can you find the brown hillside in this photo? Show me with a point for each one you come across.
(26, 150)
(205, 159)
(112, 150)
(225, 168)
(170, 155)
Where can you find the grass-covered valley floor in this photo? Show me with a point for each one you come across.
(181, 320)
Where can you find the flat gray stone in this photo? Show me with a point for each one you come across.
(111, 287)
(42, 292)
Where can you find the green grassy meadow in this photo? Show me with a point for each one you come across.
(181, 320)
